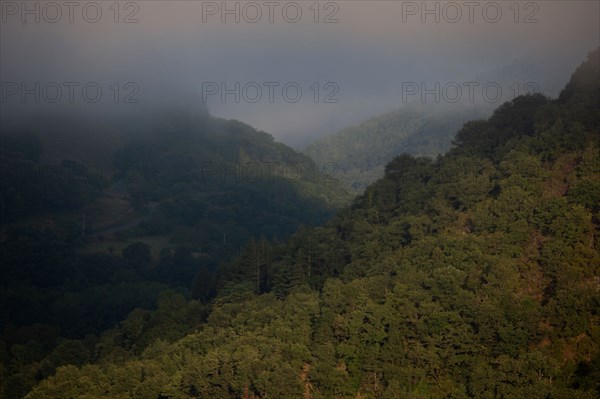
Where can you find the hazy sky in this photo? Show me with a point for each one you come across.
(350, 59)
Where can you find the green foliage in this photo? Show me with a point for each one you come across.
(471, 276)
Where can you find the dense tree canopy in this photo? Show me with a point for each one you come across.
(474, 275)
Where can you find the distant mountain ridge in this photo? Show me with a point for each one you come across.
(427, 128)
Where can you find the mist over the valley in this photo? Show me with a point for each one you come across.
(367, 51)
(299, 199)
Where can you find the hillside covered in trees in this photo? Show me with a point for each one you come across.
(81, 246)
(475, 275)
(361, 152)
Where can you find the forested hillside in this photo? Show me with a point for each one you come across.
(475, 275)
(361, 152)
(82, 246)
(209, 177)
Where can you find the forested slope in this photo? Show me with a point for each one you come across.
(81, 246)
(361, 152)
(472, 276)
